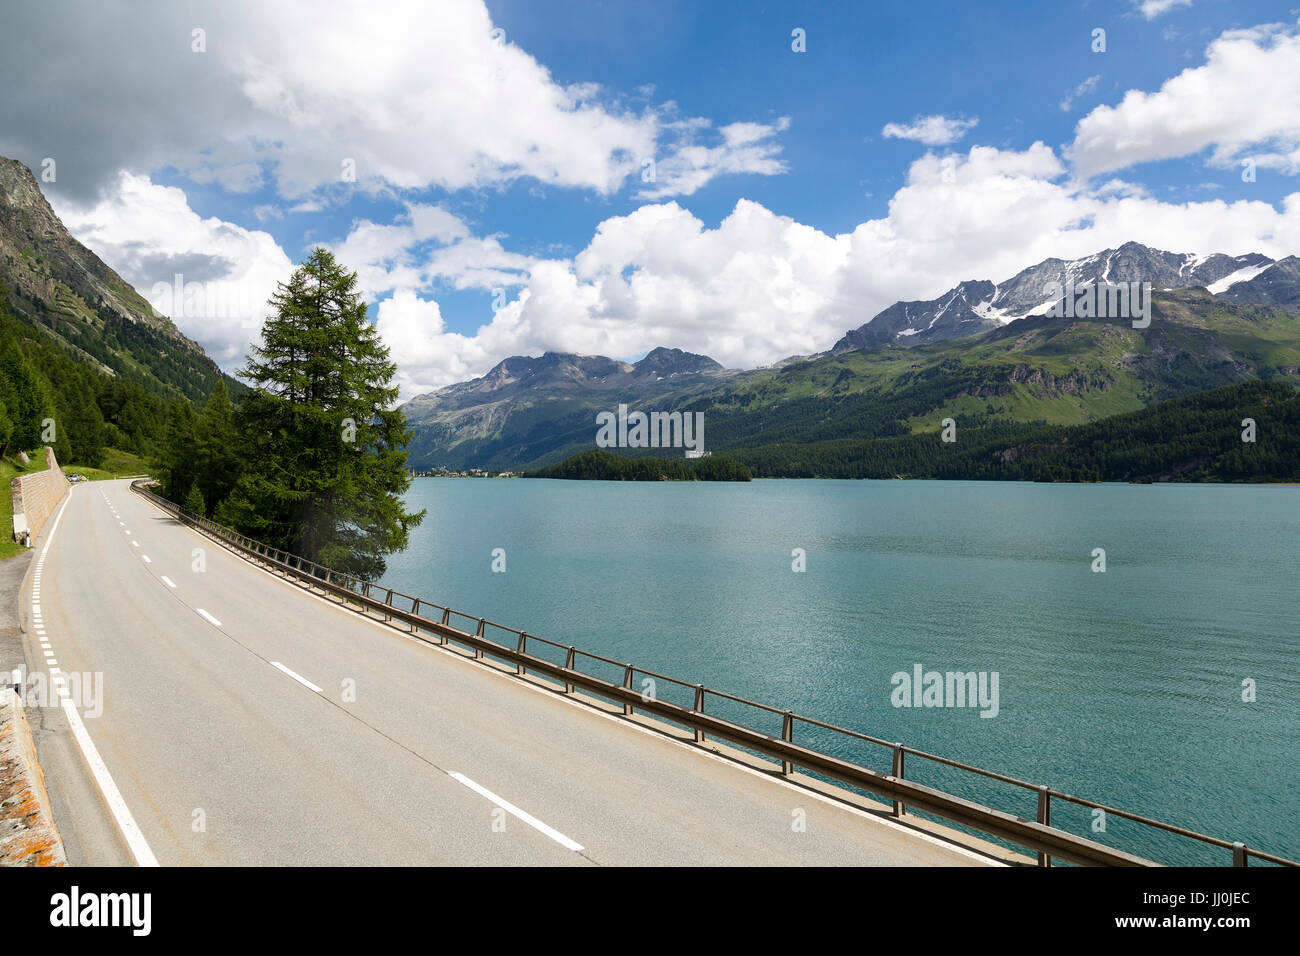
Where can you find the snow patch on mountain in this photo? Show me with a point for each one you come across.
(1241, 275)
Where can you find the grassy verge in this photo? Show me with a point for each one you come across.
(11, 468)
(114, 464)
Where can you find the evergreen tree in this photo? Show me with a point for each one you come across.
(325, 454)
(176, 466)
(83, 424)
(193, 502)
(215, 448)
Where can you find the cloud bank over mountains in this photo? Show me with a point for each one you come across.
(274, 112)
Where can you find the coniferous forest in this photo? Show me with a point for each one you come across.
(601, 465)
(1199, 437)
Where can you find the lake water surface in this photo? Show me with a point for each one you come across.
(1124, 687)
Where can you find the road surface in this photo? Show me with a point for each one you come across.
(247, 721)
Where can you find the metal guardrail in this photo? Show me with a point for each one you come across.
(1037, 834)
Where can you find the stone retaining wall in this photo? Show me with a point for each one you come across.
(36, 497)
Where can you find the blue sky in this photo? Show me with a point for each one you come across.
(508, 215)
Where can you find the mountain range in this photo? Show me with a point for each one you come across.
(526, 409)
(983, 352)
(980, 305)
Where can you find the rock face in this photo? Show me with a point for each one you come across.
(39, 259)
(55, 284)
(1278, 284)
(958, 312)
(977, 306)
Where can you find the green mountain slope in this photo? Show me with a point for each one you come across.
(61, 288)
(1197, 437)
(1054, 370)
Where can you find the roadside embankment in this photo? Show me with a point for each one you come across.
(28, 836)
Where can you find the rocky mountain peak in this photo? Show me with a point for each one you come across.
(664, 362)
(976, 306)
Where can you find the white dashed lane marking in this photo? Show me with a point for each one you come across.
(518, 814)
(298, 677)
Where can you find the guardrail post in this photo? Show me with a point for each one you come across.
(478, 651)
(787, 734)
(523, 645)
(415, 609)
(699, 709)
(898, 775)
(627, 682)
(1045, 818)
(446, 622)
(568, 666)
(1239, 855)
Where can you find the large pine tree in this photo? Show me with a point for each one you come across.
(216, 448)
(325, 459)
(177, 463)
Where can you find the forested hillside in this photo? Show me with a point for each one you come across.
(1198, 437)
(47, 396)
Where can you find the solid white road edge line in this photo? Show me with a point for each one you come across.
(514, 811)
(135, 840)
(298, 677)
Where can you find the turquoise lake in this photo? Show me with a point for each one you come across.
(1123, 687)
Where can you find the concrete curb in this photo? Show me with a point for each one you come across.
(28, 836)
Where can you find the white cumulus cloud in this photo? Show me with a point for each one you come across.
(211, 277)
(1242, 103)
(934, 130)
(317, 99)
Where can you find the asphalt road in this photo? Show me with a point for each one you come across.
(246, 721)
